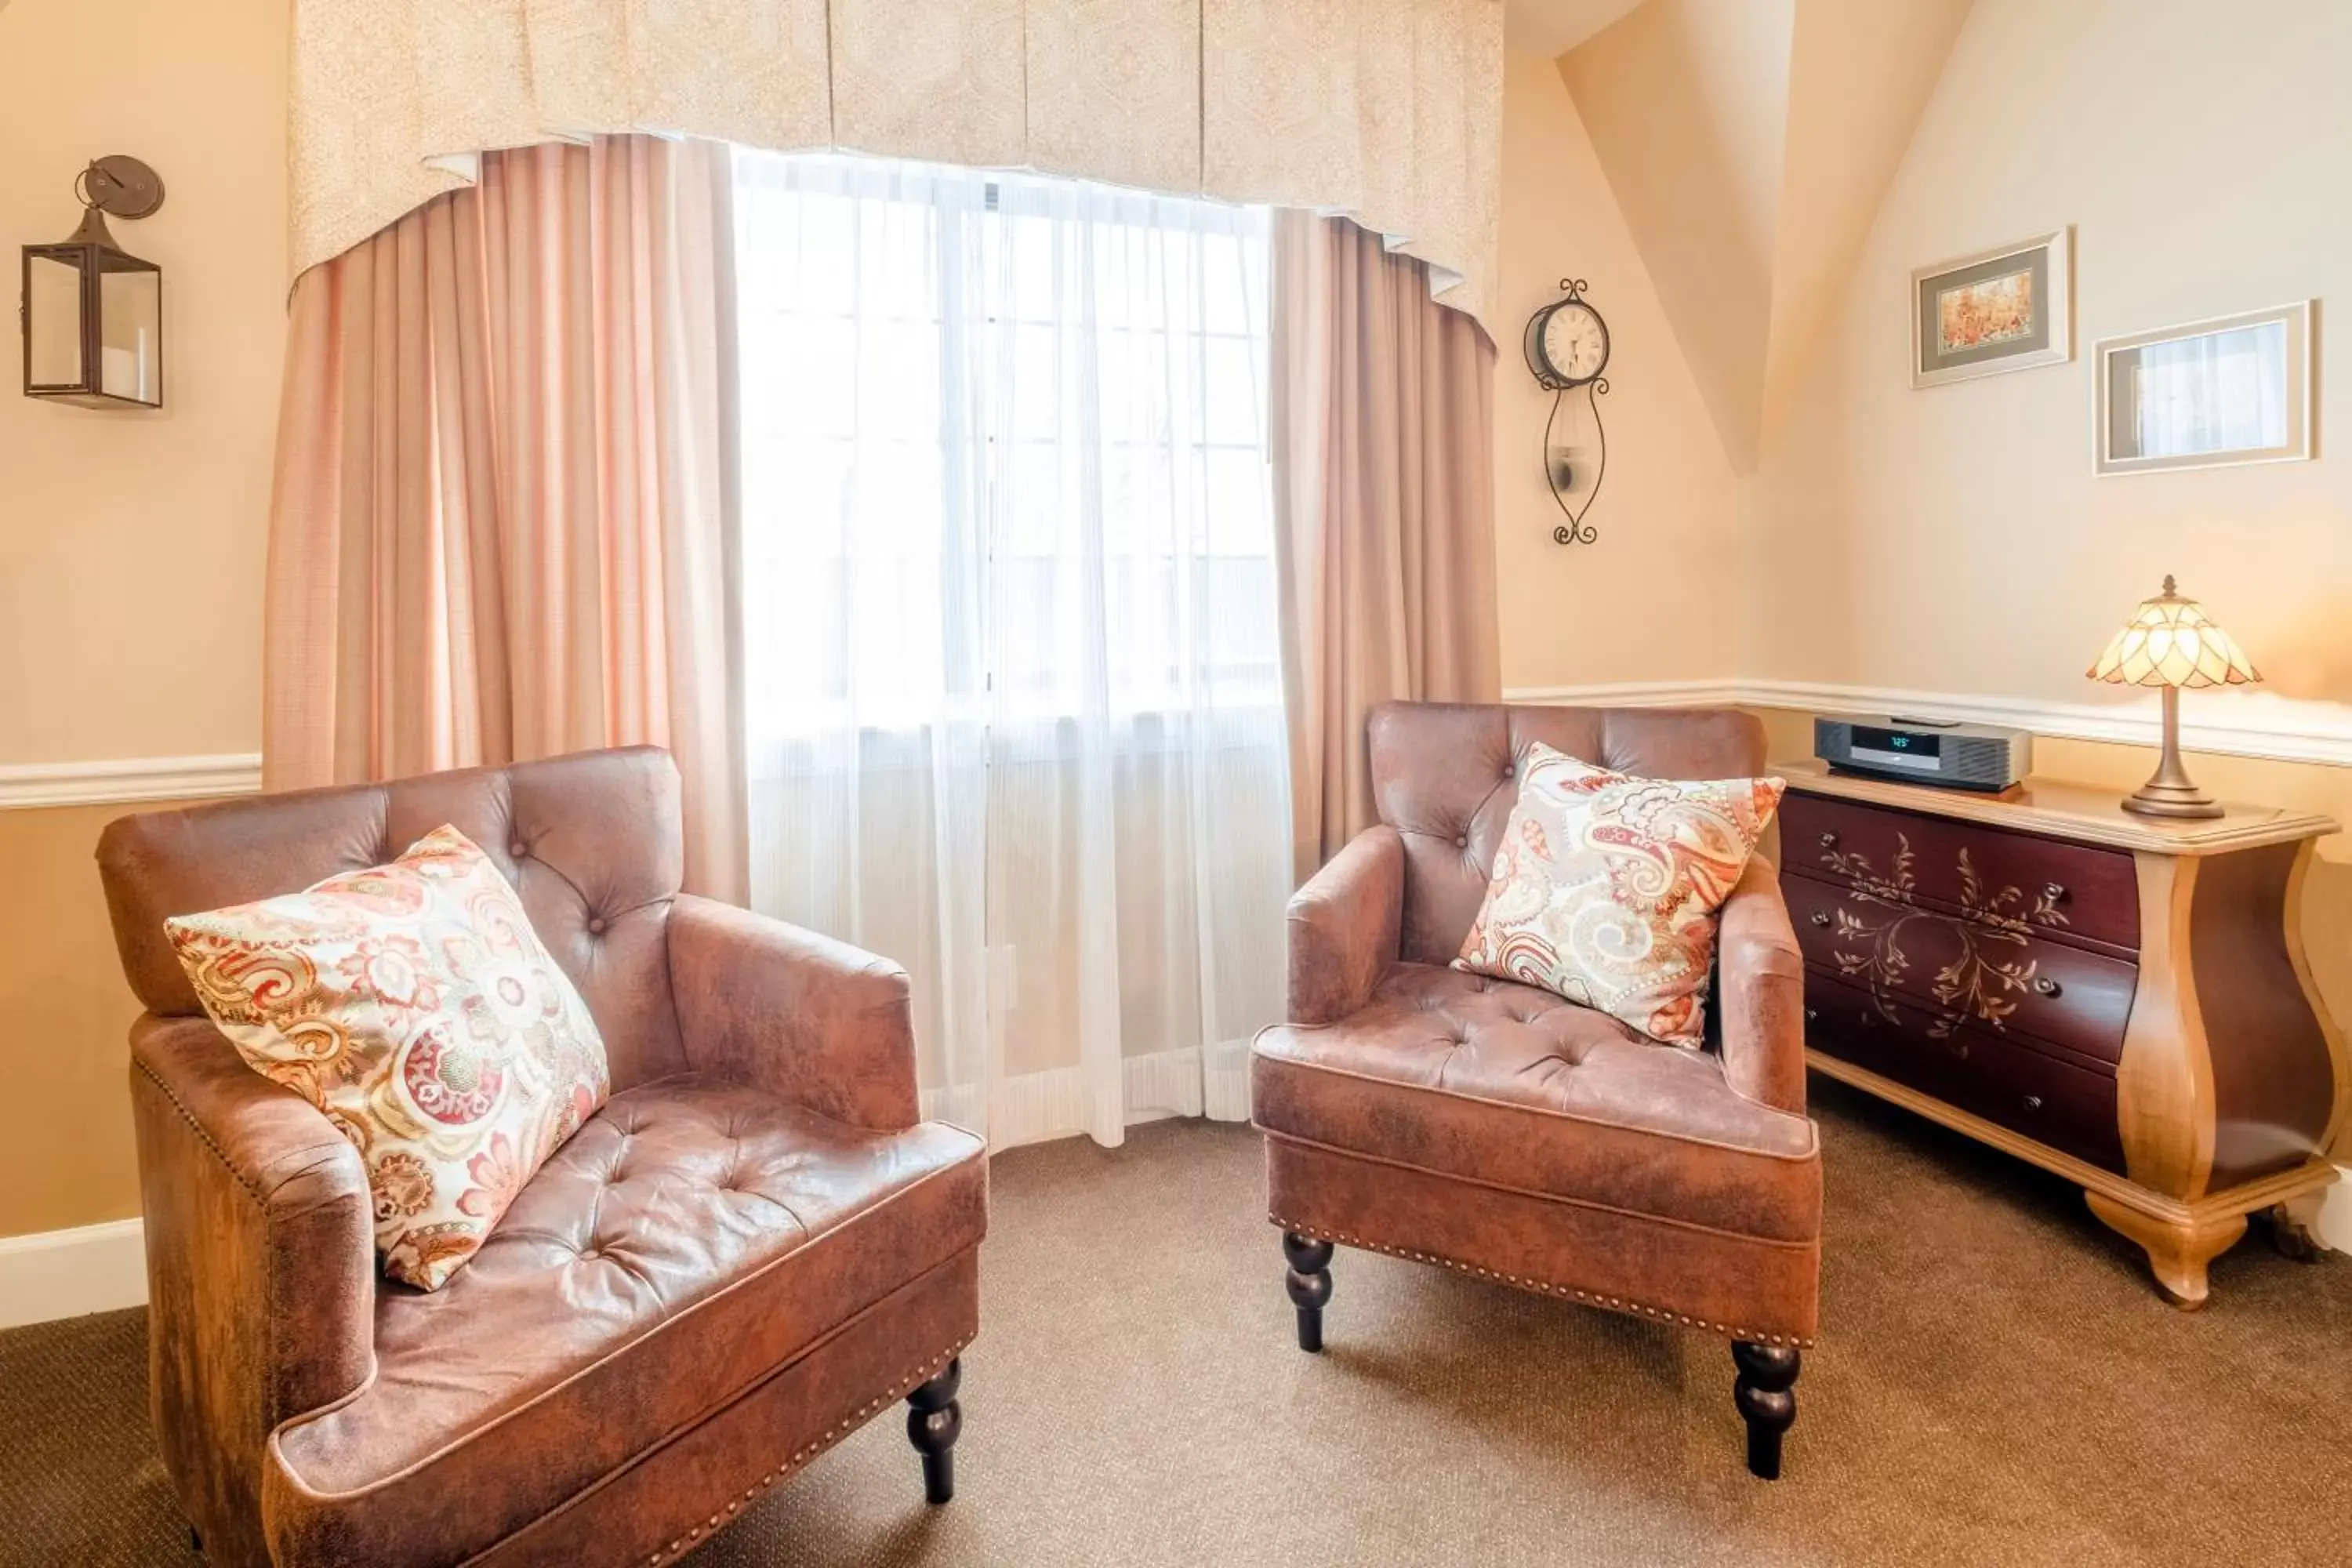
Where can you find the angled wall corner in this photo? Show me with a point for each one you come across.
(1861, 73)
(1749, 143)
(1667, 510)
(1686, 104)
(1548, 27)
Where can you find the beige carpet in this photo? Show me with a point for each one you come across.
(1996, 1385)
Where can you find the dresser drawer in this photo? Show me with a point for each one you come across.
(2006, 1081)
(2015, 879)
(1961, 972)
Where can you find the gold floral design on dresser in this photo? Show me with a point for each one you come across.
(1894, 888)
(2007, 907)
(1982, 980)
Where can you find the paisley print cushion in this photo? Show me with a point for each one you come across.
(1606, 887)
(414, 1004)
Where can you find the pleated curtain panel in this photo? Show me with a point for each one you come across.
(1382, 440)
(497, 527)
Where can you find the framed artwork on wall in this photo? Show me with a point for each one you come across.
(2235, 389)
(2010, 309)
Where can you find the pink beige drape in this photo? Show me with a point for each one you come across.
(1382, 416)
(498, 527)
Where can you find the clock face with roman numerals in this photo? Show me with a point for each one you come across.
(1571, 343)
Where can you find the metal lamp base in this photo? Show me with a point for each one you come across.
(2154, 799)
(2168, 791)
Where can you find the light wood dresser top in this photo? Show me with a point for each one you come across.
(2058, 809)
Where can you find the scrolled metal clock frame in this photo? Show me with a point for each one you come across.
(1573, 528)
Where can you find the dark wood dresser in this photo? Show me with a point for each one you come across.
(2119, 999)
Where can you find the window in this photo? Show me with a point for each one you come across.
(999, 433)
(1012, 667)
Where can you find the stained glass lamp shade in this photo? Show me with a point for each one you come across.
(2170, 642)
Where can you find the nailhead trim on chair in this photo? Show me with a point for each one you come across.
(906, 1385)
(1614, 1303)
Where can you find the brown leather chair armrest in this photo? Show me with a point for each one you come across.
(815, 1021)
(260, 1263)
(1762, 982)
(1345, 926)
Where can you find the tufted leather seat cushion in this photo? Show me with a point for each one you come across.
(690, 1214)
(1467, 1076)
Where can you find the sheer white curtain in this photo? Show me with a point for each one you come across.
(2216, 392)
(1012, 680)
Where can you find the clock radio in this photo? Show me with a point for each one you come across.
(1926, 751)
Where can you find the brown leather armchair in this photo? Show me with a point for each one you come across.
(756, 1243)
(1502, 1132)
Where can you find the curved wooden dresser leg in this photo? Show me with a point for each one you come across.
(1309, 1284)
(2178, 1252)
(934, 1422)
(1768, 1374)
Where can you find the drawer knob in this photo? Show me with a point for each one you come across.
(1820, 917)
(1812, 1015)
(2053, 891)
(2047, 987)
(2033, 1102)
(1828, 839)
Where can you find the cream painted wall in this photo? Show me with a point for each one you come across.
(1689, 99)
(132, 543)
(1655, 599)
(1548, 27)
(65, 1014)
(1860, 71)
(1954, 538)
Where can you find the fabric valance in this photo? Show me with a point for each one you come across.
(1388, 111)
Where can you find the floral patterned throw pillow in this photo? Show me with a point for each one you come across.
(414, 1005)
(1606, 887)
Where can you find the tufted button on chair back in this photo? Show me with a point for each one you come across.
(592, 843)
(1444, 776)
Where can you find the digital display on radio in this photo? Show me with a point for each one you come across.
(1901, 741)
(1898, 748)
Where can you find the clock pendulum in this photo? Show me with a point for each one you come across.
(1568, 349)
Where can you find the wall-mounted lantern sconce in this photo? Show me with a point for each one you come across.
(92, 313)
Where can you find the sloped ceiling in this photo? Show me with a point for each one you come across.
(1748, 143)
(1547, 27)
(1687, 103)
(1861, 74)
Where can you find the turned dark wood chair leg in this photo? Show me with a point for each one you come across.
(1767, 1375)
(1309, 1284)
(934, 1422)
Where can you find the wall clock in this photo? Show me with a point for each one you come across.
(1567, 349)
